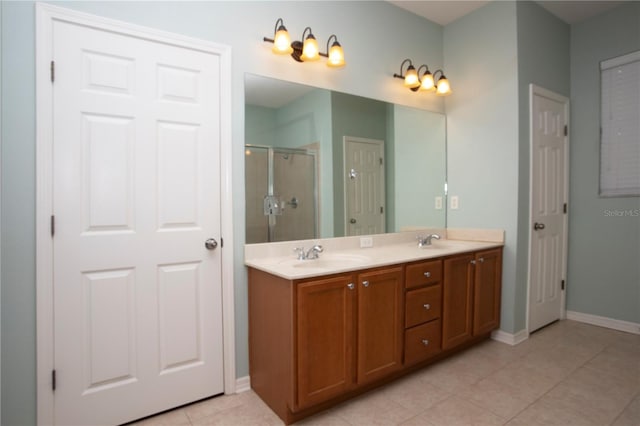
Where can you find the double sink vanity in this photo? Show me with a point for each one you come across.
(352, 317)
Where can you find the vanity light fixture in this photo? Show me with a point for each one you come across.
(424, 81)
(335, 54)
(306, 50)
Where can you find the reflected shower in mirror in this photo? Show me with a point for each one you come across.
(282, 203)
(322, 164)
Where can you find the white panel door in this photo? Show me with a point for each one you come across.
(137, 296)
(548, 197)
(364, 186)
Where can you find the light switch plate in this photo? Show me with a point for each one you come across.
(438, 203)
(454, 202)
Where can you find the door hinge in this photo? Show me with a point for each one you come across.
(562, 285)
(53, 380)
(564, 208)
(381, 210)
(381, 161)
(53, 225)
(566, 130)
(53, 71)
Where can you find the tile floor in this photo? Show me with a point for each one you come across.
(569, 373)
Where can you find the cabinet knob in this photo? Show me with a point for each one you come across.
(427, 306)
(473, 262)
(365, 283)
(427, 274)
(481, 259)
(425, 342)
(350, 286)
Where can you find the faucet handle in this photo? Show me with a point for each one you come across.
(299, 251)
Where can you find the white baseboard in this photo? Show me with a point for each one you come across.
(243, 384)
(508, 338)
(629, 327)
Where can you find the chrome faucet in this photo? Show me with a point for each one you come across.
(312, 253)
(426, 241)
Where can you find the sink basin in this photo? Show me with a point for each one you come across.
(332, 261)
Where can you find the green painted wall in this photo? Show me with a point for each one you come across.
(419, 156)
(604, 248)
(481, 61)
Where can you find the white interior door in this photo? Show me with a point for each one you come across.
(136, 190)
(548, 242)
(364, 186)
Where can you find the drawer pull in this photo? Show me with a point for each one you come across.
(425, 342)
(427, 274)
(427, 306)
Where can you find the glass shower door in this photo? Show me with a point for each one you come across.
(281, 194)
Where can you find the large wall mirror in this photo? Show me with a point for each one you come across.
(320, 164)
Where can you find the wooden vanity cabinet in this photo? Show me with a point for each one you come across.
(314, 342)
(471, 296)
(349, 332)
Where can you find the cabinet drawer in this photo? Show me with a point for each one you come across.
(421, 342)
(422, 305)
(423, 273)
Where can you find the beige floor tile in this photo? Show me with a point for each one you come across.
(374, 409)
(594, 394)
(500, 399)
(456, 411)
(557, 362)
(214, 405)
(325, 418)
(551, 413)
(451, 375)
(631, 414)
(528, 380)
(413, 393)
(567, 374)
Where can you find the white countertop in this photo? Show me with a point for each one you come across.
(336, 260)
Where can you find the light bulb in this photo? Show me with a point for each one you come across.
(282, 42)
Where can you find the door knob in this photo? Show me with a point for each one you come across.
(538, 226)
(211, 244)
(352, 220)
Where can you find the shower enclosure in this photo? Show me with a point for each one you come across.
(281, 194)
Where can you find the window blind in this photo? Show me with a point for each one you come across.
(620, 131)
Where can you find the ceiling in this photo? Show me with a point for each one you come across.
(445, 12)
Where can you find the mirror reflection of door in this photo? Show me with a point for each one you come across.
(364, 186)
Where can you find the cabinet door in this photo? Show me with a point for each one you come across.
(457, 297)
(380, 323)
(325, 338)
(487, 291)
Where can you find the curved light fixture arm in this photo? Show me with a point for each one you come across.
(305, 32)
(401, 75)
(275, 29)
(335, 39)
